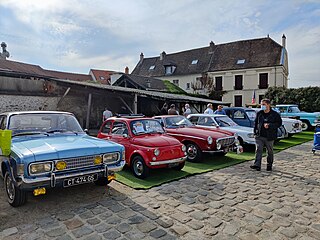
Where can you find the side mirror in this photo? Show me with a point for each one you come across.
(86, 131)
(125, 135)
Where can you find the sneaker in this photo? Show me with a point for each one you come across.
(269, 168)
(255, 167)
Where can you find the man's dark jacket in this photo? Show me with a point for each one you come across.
(274, 121)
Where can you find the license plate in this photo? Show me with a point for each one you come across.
(171, 165)
(80, 180)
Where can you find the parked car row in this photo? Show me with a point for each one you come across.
(49, 149)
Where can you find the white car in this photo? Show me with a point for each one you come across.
(291, 125)
(245, 134)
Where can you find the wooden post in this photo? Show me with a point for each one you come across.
(88, 110)
(135, 104)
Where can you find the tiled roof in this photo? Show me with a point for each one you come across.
(141, 82)
(101, 76)
(262, 52)
(37, 71)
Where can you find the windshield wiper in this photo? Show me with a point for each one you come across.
(61, 131)
(28, 133)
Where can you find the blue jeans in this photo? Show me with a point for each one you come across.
(262, 142)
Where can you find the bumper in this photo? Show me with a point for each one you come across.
(177, 160)
(57, 179)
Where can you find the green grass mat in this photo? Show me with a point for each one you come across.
(209, 163)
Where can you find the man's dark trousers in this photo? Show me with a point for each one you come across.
(260, 143)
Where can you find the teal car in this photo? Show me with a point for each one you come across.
(308, 119)
(49, 149)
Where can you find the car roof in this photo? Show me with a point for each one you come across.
(286, 105)
(244, 108)
(35, 112)
(207, 115)
(130, 119)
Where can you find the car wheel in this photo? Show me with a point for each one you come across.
(179, 167)
(103, 181)
(16, 197)
(193, 152)
(139, 168)
(305, 125)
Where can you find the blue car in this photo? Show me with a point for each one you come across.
(49, 149)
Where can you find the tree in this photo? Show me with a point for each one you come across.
(204, 83)
(308, 98)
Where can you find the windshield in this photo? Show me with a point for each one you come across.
(147, 126)
(294, 110)
(251, 114)
(177, 121)
(225, 121)
(43, 123)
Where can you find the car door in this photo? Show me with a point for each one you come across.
(240, 117)
(105, 130)
(119, 133)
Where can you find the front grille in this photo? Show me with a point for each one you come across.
(226, 142)
(79, 162)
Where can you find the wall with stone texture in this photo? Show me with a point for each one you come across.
(9, 103)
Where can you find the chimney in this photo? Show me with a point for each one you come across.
(162, 55)
(5, 54)
(211, 47)
(284, 41)
(141, 57)
(126, 70)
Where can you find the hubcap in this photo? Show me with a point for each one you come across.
(138, 168)
(304, 126)
(10, 188)
(192, 152)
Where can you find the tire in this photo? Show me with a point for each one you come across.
(16, 197)
(193, 152)
(139, 168)
(179, 167)
(221, 154)
(305, 125)
(103, 181)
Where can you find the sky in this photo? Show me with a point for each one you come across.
(77, 35)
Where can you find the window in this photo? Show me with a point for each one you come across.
(152, 67)
(238, 82)
(194, 62)
(263, 80)
(194, 119)
(282, 109)
(188, 86)
(238, 101)
(238, 114)
(170, 70)
(106, 128)
(176, 82)
(119, 128)
(101, 78)
(241, 61)
(206, 121)
(218, 84)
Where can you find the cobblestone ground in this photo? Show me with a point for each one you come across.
(232, 203)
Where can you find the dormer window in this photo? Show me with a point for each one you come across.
(241, 61)
(170, 69)
(194, 62)
(101, 78)
(152, 67)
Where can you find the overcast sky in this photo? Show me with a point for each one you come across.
(74, 35)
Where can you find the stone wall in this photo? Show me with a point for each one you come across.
(9, 103)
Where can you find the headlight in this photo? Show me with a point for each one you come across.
(209, 140)
(184, 148)
(251, 135)
(156, 152)
(111, 157)
(219, 146)
(61, 165)
(40, 168)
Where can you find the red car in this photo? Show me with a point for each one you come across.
(146, 144)
(199, 140)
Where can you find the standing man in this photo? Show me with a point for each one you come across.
(187, 110)
(106, 114)
(265, 129)
(220, 110)
(209, 109)
(172, 110)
